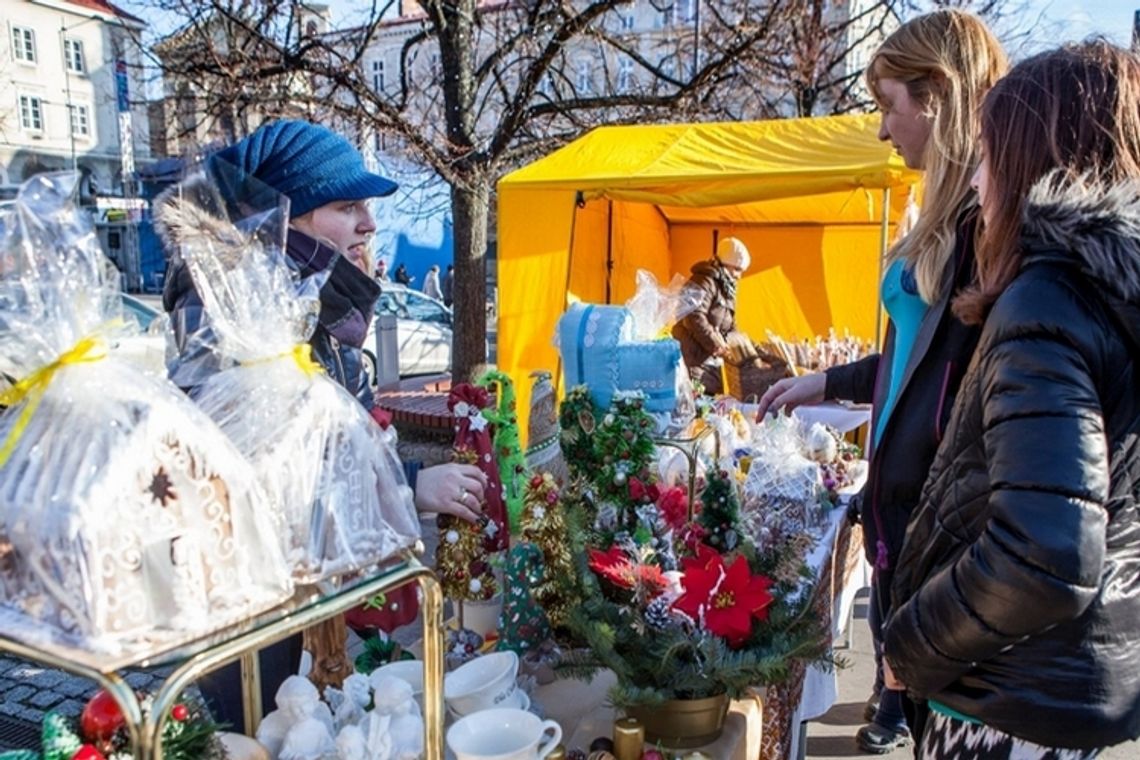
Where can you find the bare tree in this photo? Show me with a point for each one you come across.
(480, 87)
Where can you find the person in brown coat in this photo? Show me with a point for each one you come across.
(703, 333)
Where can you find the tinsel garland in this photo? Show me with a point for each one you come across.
(544, 525)
(461, 561)
(508, 449)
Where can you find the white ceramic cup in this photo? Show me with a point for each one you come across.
(483, 683)
(503, 734)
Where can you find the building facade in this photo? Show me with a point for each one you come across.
(71, 98)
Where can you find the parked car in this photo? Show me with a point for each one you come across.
(423, 332)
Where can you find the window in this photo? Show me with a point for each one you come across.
(625, 74)
(687, 10)
(627, 20)
(31, 113)
(378, 75)
(583, 77)
(666, 17)
(73, 56)
(80, 121)
(24, 44)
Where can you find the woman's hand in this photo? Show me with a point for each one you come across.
(792, 392)
(452, 489)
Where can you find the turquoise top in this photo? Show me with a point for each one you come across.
(906, 309)
(949, 712)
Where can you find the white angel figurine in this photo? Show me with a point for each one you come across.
(351, 744)
(308, 740)
(297, 700)
(350, 702)
(392, 696)
(379, 738)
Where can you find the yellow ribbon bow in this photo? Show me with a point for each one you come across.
(32, 387)
(302, 353)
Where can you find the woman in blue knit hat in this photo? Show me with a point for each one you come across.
(330, 229)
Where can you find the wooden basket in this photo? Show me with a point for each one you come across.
(748, 379)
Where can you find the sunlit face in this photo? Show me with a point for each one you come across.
(981, 183)
(904, 122)
(347, 225)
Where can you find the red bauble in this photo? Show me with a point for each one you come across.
(180, 713)
(88, 752)
(101, 718)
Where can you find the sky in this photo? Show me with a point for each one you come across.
(1076, 19)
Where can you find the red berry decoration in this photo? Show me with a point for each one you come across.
(180, 713)
(652, 754)
(101, 718)
(88, 752)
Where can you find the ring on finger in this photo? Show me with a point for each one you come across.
(463, 494)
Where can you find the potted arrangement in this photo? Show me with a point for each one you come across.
(676, 601)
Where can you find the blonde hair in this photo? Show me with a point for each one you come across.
(948, 60)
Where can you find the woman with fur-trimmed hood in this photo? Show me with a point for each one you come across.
(1017, 595)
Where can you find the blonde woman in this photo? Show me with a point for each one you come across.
(928, 78)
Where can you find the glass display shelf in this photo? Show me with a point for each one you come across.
(193, 657)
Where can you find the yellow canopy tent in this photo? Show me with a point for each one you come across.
(813, 199)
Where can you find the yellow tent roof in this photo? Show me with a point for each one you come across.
(736, 165)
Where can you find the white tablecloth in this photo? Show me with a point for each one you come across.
(821, 688)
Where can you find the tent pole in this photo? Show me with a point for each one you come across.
(579, 202)
(884, 234)
(609, 250)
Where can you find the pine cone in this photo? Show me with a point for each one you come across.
(657, 615)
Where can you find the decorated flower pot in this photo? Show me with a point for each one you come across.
(683, 723)
(482, 616)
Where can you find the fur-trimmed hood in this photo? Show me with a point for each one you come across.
(1097, 226)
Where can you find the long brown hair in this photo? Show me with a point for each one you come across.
(1074, 111)
(948, 60)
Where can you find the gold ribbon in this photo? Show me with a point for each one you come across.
(32, 387)
(302, 353)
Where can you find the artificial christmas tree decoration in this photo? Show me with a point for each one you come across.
(503, 417)
(523, 625)
(544, 525)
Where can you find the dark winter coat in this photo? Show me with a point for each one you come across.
(347, 299)
(1017, 596)
(702, 332)
(934, 370)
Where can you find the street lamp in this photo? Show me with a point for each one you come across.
(63, 30)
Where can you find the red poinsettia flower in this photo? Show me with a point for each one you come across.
(723, 599)
(673, 505)
(692, 535)
(617, 567)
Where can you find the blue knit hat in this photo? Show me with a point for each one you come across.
(309, 164)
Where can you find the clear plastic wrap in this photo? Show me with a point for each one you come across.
(337, 486)
(127, 519)
(782, 488)
(656, 308)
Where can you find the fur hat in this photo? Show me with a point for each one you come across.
(732, 252)
(309, 164)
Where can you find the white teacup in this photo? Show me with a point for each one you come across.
(483, 683)
(503, 734)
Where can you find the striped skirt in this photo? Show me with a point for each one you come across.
(946, 738)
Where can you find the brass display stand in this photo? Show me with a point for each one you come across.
(690, 447)
(307, 607)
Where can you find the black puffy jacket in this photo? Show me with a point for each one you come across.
(1017, 595)
(937, 362)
